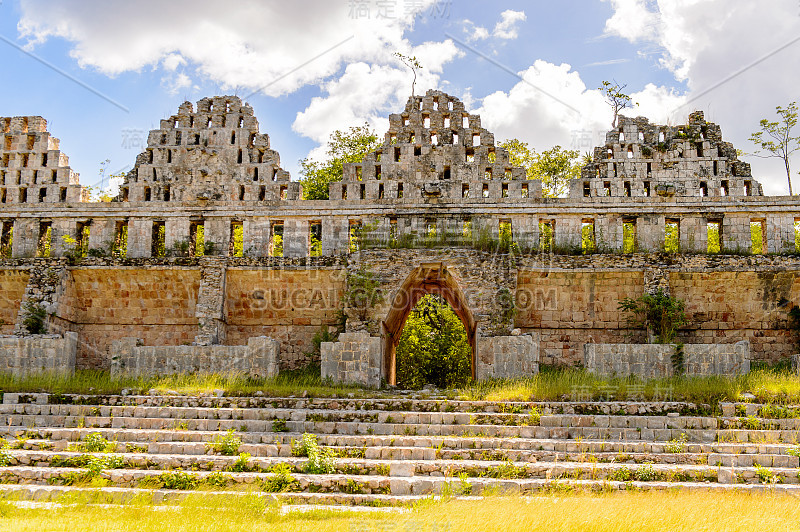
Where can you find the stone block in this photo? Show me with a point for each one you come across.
(402, 469)
(651, 361)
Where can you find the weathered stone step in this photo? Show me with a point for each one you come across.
(70, 413)
(441, 404)
(424, 429)
(601, 467)
(118, 495)
(274, 444)
(459, 476)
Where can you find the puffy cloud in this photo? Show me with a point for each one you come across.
(369, 92)
(552, 105)
(253, 45)
(736, 58)
(507, 27)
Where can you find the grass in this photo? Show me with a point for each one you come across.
(768, 385)
(101, 382)
(584, 512)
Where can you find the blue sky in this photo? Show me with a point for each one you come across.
(141, 59)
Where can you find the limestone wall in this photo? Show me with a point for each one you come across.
(652, 361)
(259, 358)
(12, 290)
(506, 357)
(50, 353)
(289, 305)
(355, 358)
(105, 304)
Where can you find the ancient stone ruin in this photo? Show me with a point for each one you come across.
(210, 258)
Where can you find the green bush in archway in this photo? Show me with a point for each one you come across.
(433, 348)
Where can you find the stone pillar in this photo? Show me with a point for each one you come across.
(650, 233)
(568, 232)
(608, 232)
(176, 230)
(60, 229)
(140, 237)
(256, 236)
(796, 364)
(694, 234)
(101, 234)
(26, 238)
(295, 238)
(736, 232)
(526, 231)
(780, 232)
(218, 231)
(210, 309)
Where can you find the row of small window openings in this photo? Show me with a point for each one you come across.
(23, 195)
(26, 159)
(36, 177)
(177, 123)
(715, 169)
(166, 193)
(194, 139)
(630, 154)
(30, 142)
(714, 236)
(426, 121)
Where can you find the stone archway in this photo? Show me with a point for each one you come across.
(428, 278)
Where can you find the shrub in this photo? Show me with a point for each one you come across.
(35, 318)
(218, 480)
(227, 444)
(96, 443)
(281, 480)
(279, 425)
(178, 480)
(676, 446)
(241, 465)
(659, 313)
(320, 460)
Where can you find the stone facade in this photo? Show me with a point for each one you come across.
(259, 358)
(210, 242)
(657, 361)
(355, 358)
(33, 354)
(506, 357)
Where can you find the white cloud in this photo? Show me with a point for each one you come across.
(476, 33)
(369, 92)
(251, 45)
(553, 106)
(507, 27)
(731, 54)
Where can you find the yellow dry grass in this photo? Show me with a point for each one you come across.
(651, 511)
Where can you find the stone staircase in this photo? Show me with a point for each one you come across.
(388, 451)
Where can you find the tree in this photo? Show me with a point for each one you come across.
(775, 138)
(433, 348)
(412, 64)
(616, 99)
(554, 167)
(519, 154)
(343, 147)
